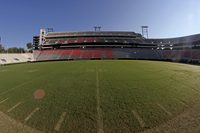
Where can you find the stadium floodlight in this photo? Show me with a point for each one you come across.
(49, 30)
(97, 28)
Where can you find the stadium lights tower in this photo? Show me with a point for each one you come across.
(49, 30)
(97, 28)
(145, 31)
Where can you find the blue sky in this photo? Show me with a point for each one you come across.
(21, 19)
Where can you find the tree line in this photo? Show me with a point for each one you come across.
(29, 47)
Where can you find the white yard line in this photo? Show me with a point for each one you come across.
(3, 100)
(20, 85)
(9, 125)
(15, 106)
(62, 118)
(195, 90)
(99, 111)
(31, 71)
(90, 70)
(3, 71)
(140, 120)
(31, 114)
(182, 102)
(164, 109)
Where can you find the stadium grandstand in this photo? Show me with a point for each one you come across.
(7, 58)
(114, 45)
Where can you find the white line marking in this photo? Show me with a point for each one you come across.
(31, 71)
(182, 102)
(102, 70)
(3, 70)
(195, 90)
(90, 70)
(165, 110)
(20, 85)
(137, 116)
(4, 100)
(58, 125)
(31, 114)
(15, 106)
(99, 111)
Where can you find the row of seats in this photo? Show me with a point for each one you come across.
(179, 40)
(89, 40)
(15, 58)
(73, 54)
(77, 34)
(102, 53)
(181, 54)
(96, 53)
(116, 53)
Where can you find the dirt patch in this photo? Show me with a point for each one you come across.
(39, 94)
(187, 122)
(9, 125)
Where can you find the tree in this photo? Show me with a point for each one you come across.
(29, 46)
(16, 50)
(2, 49)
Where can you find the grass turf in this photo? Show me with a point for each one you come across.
(98, 94)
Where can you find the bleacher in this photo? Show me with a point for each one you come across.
(117, 53)
(96, 53)
(190, 55)
(15, 58)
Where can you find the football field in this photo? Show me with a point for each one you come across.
(107, 96)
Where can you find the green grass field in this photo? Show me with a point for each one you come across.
(97, 96)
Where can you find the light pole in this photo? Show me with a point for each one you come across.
(99, 27)
(95, 28)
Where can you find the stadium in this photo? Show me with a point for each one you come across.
(102, 81)
(115, 45)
